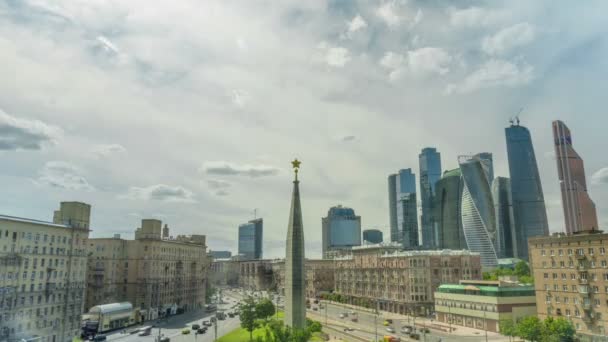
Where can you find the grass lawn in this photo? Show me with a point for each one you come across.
(242, 335)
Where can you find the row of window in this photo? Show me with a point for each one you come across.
(562, 264)
(36, 237)
(579, 251)
(574, 277)
(582, 288)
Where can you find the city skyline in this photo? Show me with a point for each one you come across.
(191, 136)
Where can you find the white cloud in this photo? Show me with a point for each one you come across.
(231, 169)
(161, 192)
(24, 134)
(218, 184)
(108, 150)
(600, 176)
(429, 60)
(474, 17)
(337, 57)
(63, 175)
(508, 38)
(358, 23)
(493, 73)
(240, 98)
(417, 18)
(389, 13)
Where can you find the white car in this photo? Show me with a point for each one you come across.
(390, 330)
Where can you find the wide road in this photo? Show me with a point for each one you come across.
(174, 326)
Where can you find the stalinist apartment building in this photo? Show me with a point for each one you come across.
(43, 275)
(401, 281)
(571, 280)
(156, 273)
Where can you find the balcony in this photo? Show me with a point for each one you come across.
(583, 281)
(587, 319)
(584, 293)
(580, 256)
(586, 306)
(582, 268)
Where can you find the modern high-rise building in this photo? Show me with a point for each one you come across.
(43, 267)
(341, 229)
(403, 208)
(372, 236)
(430, 173)
(251, 239)
(477, 207)
(220, 254)
(579, 209)
(446, 208)
(529, 212)
(503, 208)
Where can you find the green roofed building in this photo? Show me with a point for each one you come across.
(482, 304)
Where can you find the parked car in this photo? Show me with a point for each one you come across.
(342, 315)
(186, 331)
(386, 323)
(207, 323)
(99, 338)
(415, 336)
(406, 330)
(349, 329)
(390, 330)
(201, 330)
(195, 326)
(165, 339)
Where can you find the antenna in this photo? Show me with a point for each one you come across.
(517, 116)
(255, 213)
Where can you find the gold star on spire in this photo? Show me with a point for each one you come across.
(296, 166)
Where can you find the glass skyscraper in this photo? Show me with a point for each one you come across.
(430, 172)
(250, 239)
(503, 207)
(403, 208)
(446, 211)
(341, 229)
(372, 236)
(529, 212)
(477, 207)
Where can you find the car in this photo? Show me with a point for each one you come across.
(207, 323)
(390, 329)
(316, 301)
(390, 321)
(353, 313)
(195, 326)
(386, 323)
(415, 336)
(186, 332)
(342, 315)
(406, 330)
(231, 314)
(425, 330)
(321, 306)
(201, 330)
(98, 338)
(315, 308)
(213, 319)
(165, 339)
(354, 319)
(349, 329)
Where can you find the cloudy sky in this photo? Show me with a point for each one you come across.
(191, 111)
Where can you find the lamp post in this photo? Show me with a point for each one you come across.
(376, 322)
(485, 324)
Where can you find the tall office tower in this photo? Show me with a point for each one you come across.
(251, 239)
(372, 236)
(403, 208)
(529, 212)
(295, 288)
(446, 211)
(477, 207)
(579, 209)
(503, 208)
(430, 173)
(341, 229)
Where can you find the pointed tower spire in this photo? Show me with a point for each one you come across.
(295, 302)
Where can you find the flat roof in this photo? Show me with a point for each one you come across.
(113, 307)
(496, 291)
(32, 221)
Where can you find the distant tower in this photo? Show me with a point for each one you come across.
(251, 236)
(430, 172)
(295, 288)
(403, 208)
(529, 212)
(579, 209)
(341, 230)
(166, 232)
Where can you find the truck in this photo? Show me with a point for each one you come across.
(220, 315)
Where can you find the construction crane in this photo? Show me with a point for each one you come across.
(515, 120)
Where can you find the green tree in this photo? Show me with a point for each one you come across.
(247, 315)
(210, 291)
(522, 269)
(264, 309)
(508, 328)
(530, 328)
(558, 330)
(313, 326)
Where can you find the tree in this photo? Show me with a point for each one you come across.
(313, 326)
(508, 328)
(522, 269)
(558, 330)
(264, 309)
(210, 291)
(247, 315)
(530, 328)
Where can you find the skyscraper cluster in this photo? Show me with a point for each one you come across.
(470, 208)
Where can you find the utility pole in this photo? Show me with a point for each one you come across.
(450, 316)
(376, 322)
(485, 324)
(215, 326)
(325, 313)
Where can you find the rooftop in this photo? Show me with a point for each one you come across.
(32, 221)
(490, 291)
(111, 308)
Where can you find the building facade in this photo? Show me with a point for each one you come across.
(341, 229)
(505, 227)
(529, 212)
(477, 207)
(579, 210)
(401, 281)
(403, 208)
(571, 280)
(446, 208)
(43, 275)
(373, 236)
(484, 304)
(224, 272)
(430, 172)
(251, 236)
(158, 276)
(220, 254)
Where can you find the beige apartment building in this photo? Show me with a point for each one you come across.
(571, 280)
(401, 281)
(255, 275)
(43, 275)
(158, 274)
(224, 272)
(319, 276)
